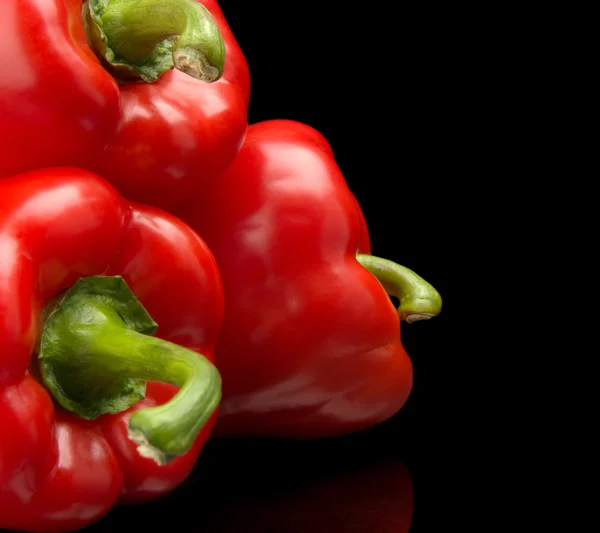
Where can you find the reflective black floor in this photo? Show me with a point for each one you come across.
(360, 483)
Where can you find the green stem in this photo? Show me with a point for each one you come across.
(145, 38)
(96, 352)
(418, 299)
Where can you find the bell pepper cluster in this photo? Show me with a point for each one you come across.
(168, 272)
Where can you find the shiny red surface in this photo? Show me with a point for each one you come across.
(157, 143)
(310, 344)
(58, 472)
(57, 104)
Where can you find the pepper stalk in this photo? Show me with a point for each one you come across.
(143, 39)
(97, 351)
(418, 299)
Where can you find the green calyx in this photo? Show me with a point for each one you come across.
(418, 299)
(96, 353)
(143, 39)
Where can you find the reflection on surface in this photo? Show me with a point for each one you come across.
(266, 486)
(374, 498)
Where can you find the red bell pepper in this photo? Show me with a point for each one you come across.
(69, 96)
(94, 409)
(310, 344)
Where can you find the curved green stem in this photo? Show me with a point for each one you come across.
(96, 352)
(418, 299)
(145, 38)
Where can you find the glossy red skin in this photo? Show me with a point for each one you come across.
(59, 472)
(310, 344)
(57, 103)
(155, 142)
